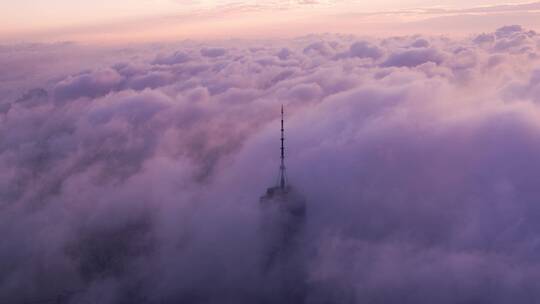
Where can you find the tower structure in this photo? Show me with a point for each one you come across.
(283, 193)
(282, 178)
(282, 225)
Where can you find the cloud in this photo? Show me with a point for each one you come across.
(320, 47)
(508, 30)
(420, 43)
(88, 84)
(484, 38)
(413, 57)
(136, 178)
(527, 89)
(213, 52)
(177, 57)
(284, 54)
(363, 49)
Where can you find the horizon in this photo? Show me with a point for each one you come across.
(173, 20)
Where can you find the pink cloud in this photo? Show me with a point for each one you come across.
(139, 182)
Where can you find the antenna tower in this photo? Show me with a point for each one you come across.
(282, 181)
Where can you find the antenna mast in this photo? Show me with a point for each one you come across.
(282, 166)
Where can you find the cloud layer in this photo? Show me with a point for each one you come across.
(135, 177)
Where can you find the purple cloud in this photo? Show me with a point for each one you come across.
(177, 57)
(363, 49)
(320, 47)
(139, 182)
(213, 52)
(88, 84)
(413, 57)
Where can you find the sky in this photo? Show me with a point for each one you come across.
(156, 20)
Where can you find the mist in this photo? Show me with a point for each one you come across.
(134, 175)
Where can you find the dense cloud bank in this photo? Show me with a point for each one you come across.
(136, 178)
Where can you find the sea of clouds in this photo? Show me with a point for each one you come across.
(132, 175)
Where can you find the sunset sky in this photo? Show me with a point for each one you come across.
(154, 20)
